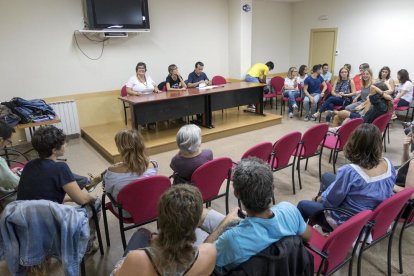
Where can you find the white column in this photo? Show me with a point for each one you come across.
(240, 38)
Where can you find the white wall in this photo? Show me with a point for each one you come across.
(272, 28)
(378, 32)
(39, 58)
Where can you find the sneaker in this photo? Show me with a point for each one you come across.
(394, 116)
(94, 181)
(306, 118)
(295, 107)
(313, 118)
(407, 124)
(290, 114)
(333, 130)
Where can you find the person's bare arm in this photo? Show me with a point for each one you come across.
(132, 92)
(307, 235)
(76, 194)
(229, 219)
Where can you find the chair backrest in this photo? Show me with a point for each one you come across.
(209, 176)
(345, 131)
(217, 80)
(382, 121)
(124, 92)
(283, 149)
(162, 86)
(277, 84)
(261, 151)
(140, 197)
(340, 241)
(385, 213)
(312, 138)
(287, 256)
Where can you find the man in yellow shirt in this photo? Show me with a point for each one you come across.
(257, 73)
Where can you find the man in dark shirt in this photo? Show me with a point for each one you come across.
(198, 77)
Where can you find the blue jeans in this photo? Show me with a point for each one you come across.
(307, 207)
(140, 239)
(292, 95)
(331, 102)
(249, 78)
(81, 180)
(306, 103)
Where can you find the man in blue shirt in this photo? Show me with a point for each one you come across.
(198, 77)
(264, 225)
(326, 75)
(312, 91)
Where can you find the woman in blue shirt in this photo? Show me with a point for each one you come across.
(361, 185)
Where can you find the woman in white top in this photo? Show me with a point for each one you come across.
(291, 89)
(303, 74)
(384, 75)
(404, 89)
(141, 84)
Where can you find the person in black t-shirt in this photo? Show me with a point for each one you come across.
(44, 178)
(174, 81)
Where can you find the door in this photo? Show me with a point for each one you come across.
(322, 47)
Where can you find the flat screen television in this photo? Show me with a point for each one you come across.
(117, 14)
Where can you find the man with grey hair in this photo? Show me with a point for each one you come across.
(263, 225)
(190, 156)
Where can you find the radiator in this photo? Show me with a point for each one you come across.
(68, 115)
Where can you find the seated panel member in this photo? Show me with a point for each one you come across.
(141, 83)
(174, 81)
(198, 77)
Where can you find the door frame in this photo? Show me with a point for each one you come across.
(312, 31)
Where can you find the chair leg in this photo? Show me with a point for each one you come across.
(125, 113)
(83, 270)
(335, 156)
(227, 191)
(281, 106)
(330, 156)
(97, 228)
(298, 169)
(306, 164)
(108, 242)
(400, 247)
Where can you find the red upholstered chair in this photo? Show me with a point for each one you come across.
(405, 108)
(388, 212)
(382, 122)
(337, 141)
(407, 222)
(276, 84)
(309, 146)
(261, 151)
(217, 80)
(140, 199)
(124, 93)
(210, 176)
(330, 253)
(282, 152)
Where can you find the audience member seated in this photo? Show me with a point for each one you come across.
(385, 76)
(8, 179)
(379, 103)
(326, 75)
(404, 89)
(363, 91)
(303, 74)
(291, 90)
(141, 84)
(174, 81)
(405, 174)
(190, 156)
(198, 77)
(358, 77)
(171, 252)
(358, 186)
(45, 178)
(263, 225)
(135, 163)
(312, 91)
(342, 92)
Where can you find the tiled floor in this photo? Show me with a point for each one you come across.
(83, 159)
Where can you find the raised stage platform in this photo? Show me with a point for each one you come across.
(232, 121)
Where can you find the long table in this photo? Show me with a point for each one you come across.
(175, 104)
